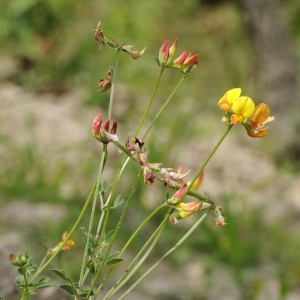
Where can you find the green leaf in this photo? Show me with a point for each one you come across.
(69, 289)
(62, 274)
(19, 279)
(1, 298)
(45, 285)
(157, 61)
(109, 236)
(114, 254)
(104, 186)
(84, 293)
(167, 195)
(43, 280)
(114, 261)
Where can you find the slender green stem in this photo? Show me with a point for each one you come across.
(101, 167)
(107, 212)
(113, 85)
(207, 160)
(140, 227)
(141, 261)
(150, 103)
(163, 107)
(167, 254)
(43, 260)
(25, 295)
(162, 224)
(118, 227)
(69, 235)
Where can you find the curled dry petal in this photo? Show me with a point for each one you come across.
(133, 54)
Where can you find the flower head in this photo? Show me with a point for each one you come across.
(166, 53)
(19, 261)
(237, 109)
(187, 209)
(184, 210)
(67, 245)
(105, 134)
(256, 124)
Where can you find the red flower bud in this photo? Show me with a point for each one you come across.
(97, 124)
(114, 128)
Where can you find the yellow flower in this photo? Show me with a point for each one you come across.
(243, 108)
(187, 209)
(228, 99)
(256, 124)
(67, 245)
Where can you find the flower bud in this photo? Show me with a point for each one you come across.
(163, 50)
(173, 48)
(104, 135)
(177, 197)
(97, 124)
(19, 261)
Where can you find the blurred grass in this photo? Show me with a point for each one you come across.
(52, 43)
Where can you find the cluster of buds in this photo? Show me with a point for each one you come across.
(104, 41)
(105, 134)
(184, 210)
(135, 146)
(19, 261)
(241, 110)
(67, 245)
(186, 62)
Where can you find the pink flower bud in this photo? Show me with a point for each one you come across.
(97, 124)
(164, 46)
(180, 60)
(190, 60)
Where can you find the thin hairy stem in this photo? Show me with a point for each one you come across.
(85, 256)
(118, 227)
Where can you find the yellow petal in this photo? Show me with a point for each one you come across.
(229, 97)
(244, 107)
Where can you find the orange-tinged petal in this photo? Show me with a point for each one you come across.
(198, 182)
(259, 134)
(261, 113)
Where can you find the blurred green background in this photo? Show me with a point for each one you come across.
(49, 69)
